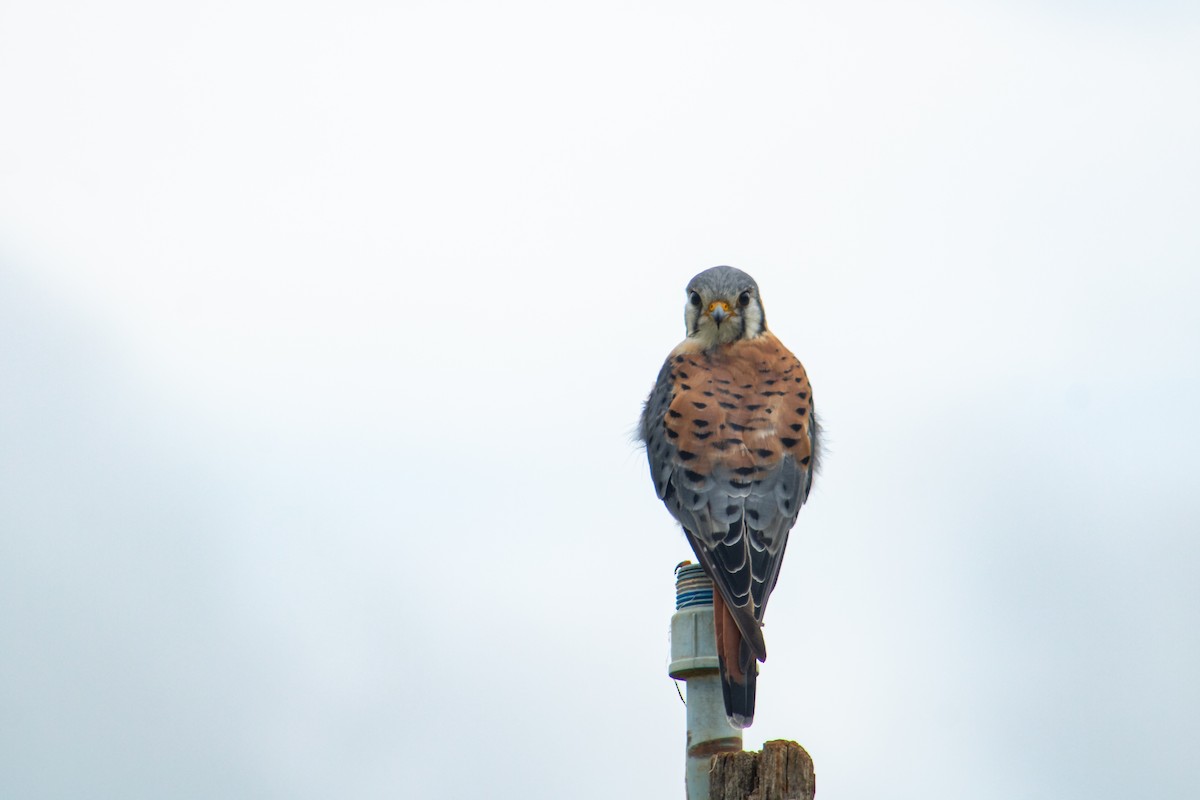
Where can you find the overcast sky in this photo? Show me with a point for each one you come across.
(324, 329)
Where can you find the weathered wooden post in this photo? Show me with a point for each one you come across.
(782, 771)
(716, 767)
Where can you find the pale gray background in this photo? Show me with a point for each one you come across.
(324, 328)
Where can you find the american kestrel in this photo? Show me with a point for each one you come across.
(733, 443)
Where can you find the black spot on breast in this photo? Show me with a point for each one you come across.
(798, 380)
(683, 374)
(703, 436)
(737, 427)
(787, 505)
(770, 410)
(672, 434)
(700, 423)
(685, 387)
(694, 477)
(763, 452)
(805, 460)
(772, 381)
(739, 484)
(789, 443)
(802, 395)
(723, 404)
(678, 359)
(673, 414)
(737, 396)
(730, 510)
(797, 428)
(747, 385)
(725, 444)
(699, 405)
(746, 470)
(769, 393)
(708, 394)
(754, 407)
(750, 512)
(722, 381)
(802, 411)
(684, 455)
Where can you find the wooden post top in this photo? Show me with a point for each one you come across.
(782, 771)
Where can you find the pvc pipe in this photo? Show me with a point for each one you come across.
(694, 660)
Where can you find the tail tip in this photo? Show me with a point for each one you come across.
(739, 697)
(740, 720)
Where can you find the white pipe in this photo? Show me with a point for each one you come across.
(694, 660)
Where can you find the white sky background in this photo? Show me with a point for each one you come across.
(324, 329)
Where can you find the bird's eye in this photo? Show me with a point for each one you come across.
(695, 299)
(744, 299)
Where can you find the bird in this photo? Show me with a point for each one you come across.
(733, 443)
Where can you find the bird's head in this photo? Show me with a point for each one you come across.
(722, 306)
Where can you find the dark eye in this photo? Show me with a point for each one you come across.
(744, 299)
(695, 299)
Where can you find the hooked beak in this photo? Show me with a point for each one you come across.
(719, 311)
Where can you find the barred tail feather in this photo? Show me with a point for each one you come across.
(739, 667)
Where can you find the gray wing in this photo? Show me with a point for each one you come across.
(662, 456)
